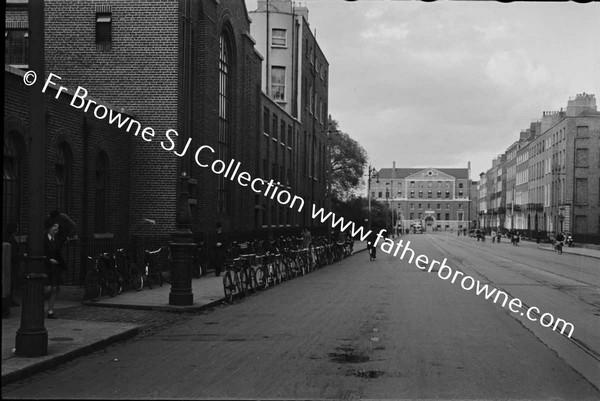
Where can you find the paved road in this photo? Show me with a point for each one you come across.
(352, 330)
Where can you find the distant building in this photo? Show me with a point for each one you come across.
(552, 179)
(437, 198)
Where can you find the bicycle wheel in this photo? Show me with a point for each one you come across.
(135, 277)
(243, 275)
(111, 283)
(261, 278)
(287, 269)
(93, 286)
(228, 287)
(252, 279)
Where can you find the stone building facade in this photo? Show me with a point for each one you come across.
(437, 198)
(556, 166)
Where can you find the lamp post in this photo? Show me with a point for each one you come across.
(372, 174)
(32, 336)
(556, 201)
(182, 250)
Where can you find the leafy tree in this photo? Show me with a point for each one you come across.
(347, 163)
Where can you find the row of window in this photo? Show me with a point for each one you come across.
(438, 206)
(13, 182)
(459, 216)
(420, 194)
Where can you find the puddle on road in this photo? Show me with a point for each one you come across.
(348, 358)
(365, 373)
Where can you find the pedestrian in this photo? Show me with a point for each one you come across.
(10, 236)
(493, 236)
(371, 244)
(220, 248)
(54, 264)
(559, 242)
(306, 238)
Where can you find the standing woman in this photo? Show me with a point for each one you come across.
(53, 266)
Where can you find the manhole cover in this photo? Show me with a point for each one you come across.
(60, 339)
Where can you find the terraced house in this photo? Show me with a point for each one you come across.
(553, 175)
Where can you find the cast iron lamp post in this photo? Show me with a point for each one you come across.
(182, 250)
(372, 174)
(32, 336)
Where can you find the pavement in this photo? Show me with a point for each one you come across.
(71, 338)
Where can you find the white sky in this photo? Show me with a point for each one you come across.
(439, 84)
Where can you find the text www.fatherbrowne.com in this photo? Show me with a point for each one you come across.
(445, 272)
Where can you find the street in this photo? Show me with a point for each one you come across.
(360, 329)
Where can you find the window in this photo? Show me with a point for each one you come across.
(224, 119)
(447, 216)
(282, 133)
(275, 133)
(63, 177)
(429, 194)
(412, 216)
(420, 206)
(12, 182)
(16, 46)
(439, 206)
(103, 31)
(266, 120)
(460, 184)
(412, 194)
(412, 206)
(447, 206)
(101, 188)
(439, 194)
(447, 194)
(380, 193)
(581, 157)
(460, 216)
(278, 37)
(438, 216)
(278, 83)
(420, 194)
(460, 206)
(581, 191)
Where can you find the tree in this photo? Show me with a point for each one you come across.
(347, 160)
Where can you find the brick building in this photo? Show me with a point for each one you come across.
(438, 198)
(188, 66)
(186, 71)
(295, 77)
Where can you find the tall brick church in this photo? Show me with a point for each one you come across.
(189, 66)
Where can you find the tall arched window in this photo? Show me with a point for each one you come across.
(101, 189)
(224, 117)
(63, 177)
(11, 186)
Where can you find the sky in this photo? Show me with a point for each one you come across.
(441, 84)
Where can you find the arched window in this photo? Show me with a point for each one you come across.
(224, 117)
(63, 177)
(101, 189)
(13, 171)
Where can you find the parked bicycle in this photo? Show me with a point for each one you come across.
(129, 271)
(152, 268)
(102, 276)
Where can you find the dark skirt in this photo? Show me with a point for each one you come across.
(53, 275)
